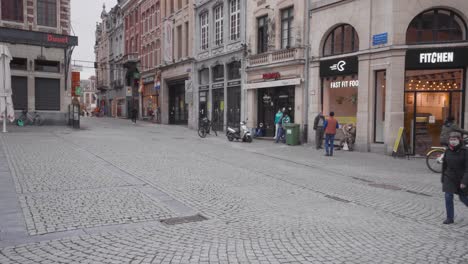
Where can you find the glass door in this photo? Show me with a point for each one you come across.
(218, 109)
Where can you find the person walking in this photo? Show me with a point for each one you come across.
(281, 131)
(278, 117)
(449, 127)
(454, 174)
(330, 127)
(134, 115)
(319, 123)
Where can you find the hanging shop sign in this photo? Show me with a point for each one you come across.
(437, 58)
(343, 66)
(148, 80)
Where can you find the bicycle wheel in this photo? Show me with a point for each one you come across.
(38, 121)
(434, 160)
(216, 133)
(202, 132)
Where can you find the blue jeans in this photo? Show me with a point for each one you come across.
(449, 204)
(280, 134)
(329, 141)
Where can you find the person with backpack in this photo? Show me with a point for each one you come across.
(330, 127)
(134, 115)
(454, 174)
(319, 122)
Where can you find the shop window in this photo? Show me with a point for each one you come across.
(234, 69)
(287, 18)
(19, 64)
(435, 26)
(379, 115)
(262, 34)
(204, 76)
(430, 97)
(47, 13)
(12, 10)
(343, 39)
(179, 42)
(47, 66)
(218, 73)
(340, 95)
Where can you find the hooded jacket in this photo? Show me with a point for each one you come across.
(448, 128)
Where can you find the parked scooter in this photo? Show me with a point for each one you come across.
(243, 133)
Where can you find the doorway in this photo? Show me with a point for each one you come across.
(234, 106)
(270, 100)
(178, 108)
(218, 109)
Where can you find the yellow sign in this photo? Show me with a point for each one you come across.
(398, 140)
(221, 105)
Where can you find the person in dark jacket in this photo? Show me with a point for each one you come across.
(449, 127)
(455, 174)
(319, 124)
(134, 115)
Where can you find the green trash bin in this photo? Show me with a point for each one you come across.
(292, 134)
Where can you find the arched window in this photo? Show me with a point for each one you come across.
(342, 39)
(435, 26)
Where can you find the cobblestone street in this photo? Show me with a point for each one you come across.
(113, 192)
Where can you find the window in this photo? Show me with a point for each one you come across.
(218, 73)
(287, 17)
(234, 69)
(380, 83)
(179, 42)
(204, 31)
(180, 4)
(172, 5)
(158, 14)
(187, 39)
(435, 26)
(262, 34)
(219, 25)
(235, 19)
(12, 10)
(19, 64)
(204, 75)
(342, 39)
(47, 66)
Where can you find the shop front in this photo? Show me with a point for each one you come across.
(434, 90)
(339, 92)
(149, 97)
(273, 95)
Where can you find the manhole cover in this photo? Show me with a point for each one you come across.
(184, 220)
(337, 199)
(385, 186)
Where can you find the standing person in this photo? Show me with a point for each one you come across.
(278, 118)
(449, 127)
(134, 115)
(319, 123)
(331, 124)
(281, 135)
(454, 174)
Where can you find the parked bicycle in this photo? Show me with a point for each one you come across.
(205, 127)
(435, 157)
(26, 118)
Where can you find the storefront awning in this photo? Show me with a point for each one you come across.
(278, 83)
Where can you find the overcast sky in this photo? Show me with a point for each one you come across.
(84, 15)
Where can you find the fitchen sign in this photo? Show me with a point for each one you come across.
(344, 84)
(437, 58)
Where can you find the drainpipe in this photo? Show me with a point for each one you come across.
(306, 72)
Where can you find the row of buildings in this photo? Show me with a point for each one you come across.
(379, 64)
(37, 33)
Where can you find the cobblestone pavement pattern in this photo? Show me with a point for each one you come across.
(98, 195)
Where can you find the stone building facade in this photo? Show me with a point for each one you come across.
(388, 64)
(220, 61)
(102, 51)
(276, 62)
(41, 46)
(176, 94)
